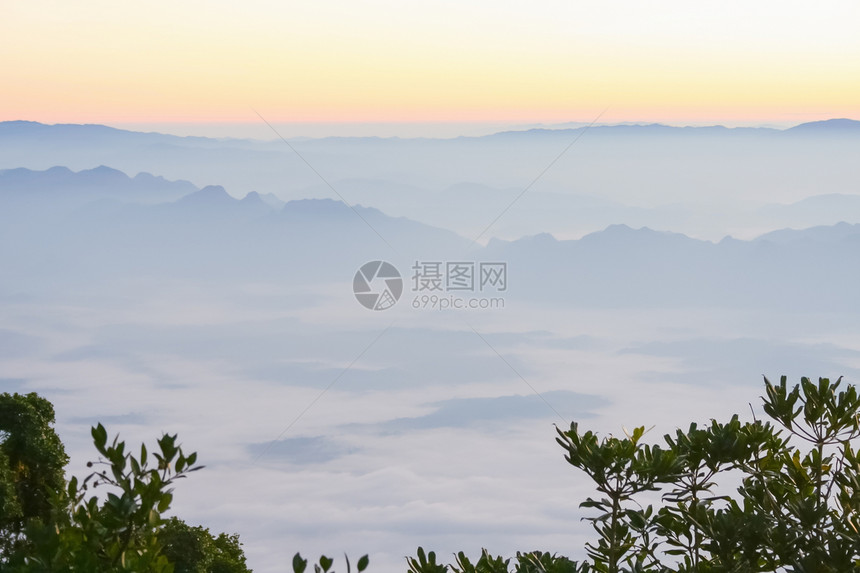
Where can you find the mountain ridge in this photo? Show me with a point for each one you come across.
(103, 182)
(19, 128)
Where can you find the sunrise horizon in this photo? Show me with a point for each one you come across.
(338, 63)
(270, 129)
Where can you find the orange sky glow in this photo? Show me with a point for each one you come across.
(517, 62)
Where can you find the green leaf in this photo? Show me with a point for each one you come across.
(99, 436)
(299, 564)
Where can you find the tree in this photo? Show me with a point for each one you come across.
(621, 468)
(48, 524)
(797, 509)
(325, 564)
(532, 562)
(809, 489)
(32, 459)
(192, 549)
(118, 533)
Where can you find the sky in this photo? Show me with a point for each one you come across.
(378, 63)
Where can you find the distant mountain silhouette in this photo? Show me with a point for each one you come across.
(63, 184)
(269, 199)
(840, 126)
(824, 234)
(326, 209)
(209, 196)
(813, 269)
(91, 133)
(649, 174)
(635, 130)
(95, 132)
(207, 234)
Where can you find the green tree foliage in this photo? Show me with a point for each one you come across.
(425, 563)
(111, 521)
(192, 549)
(621, 469)
(32, 459)
(533, 562)
(324, 565)
(796, 508)
(118, 531)
(486, 563)
(541, 562)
